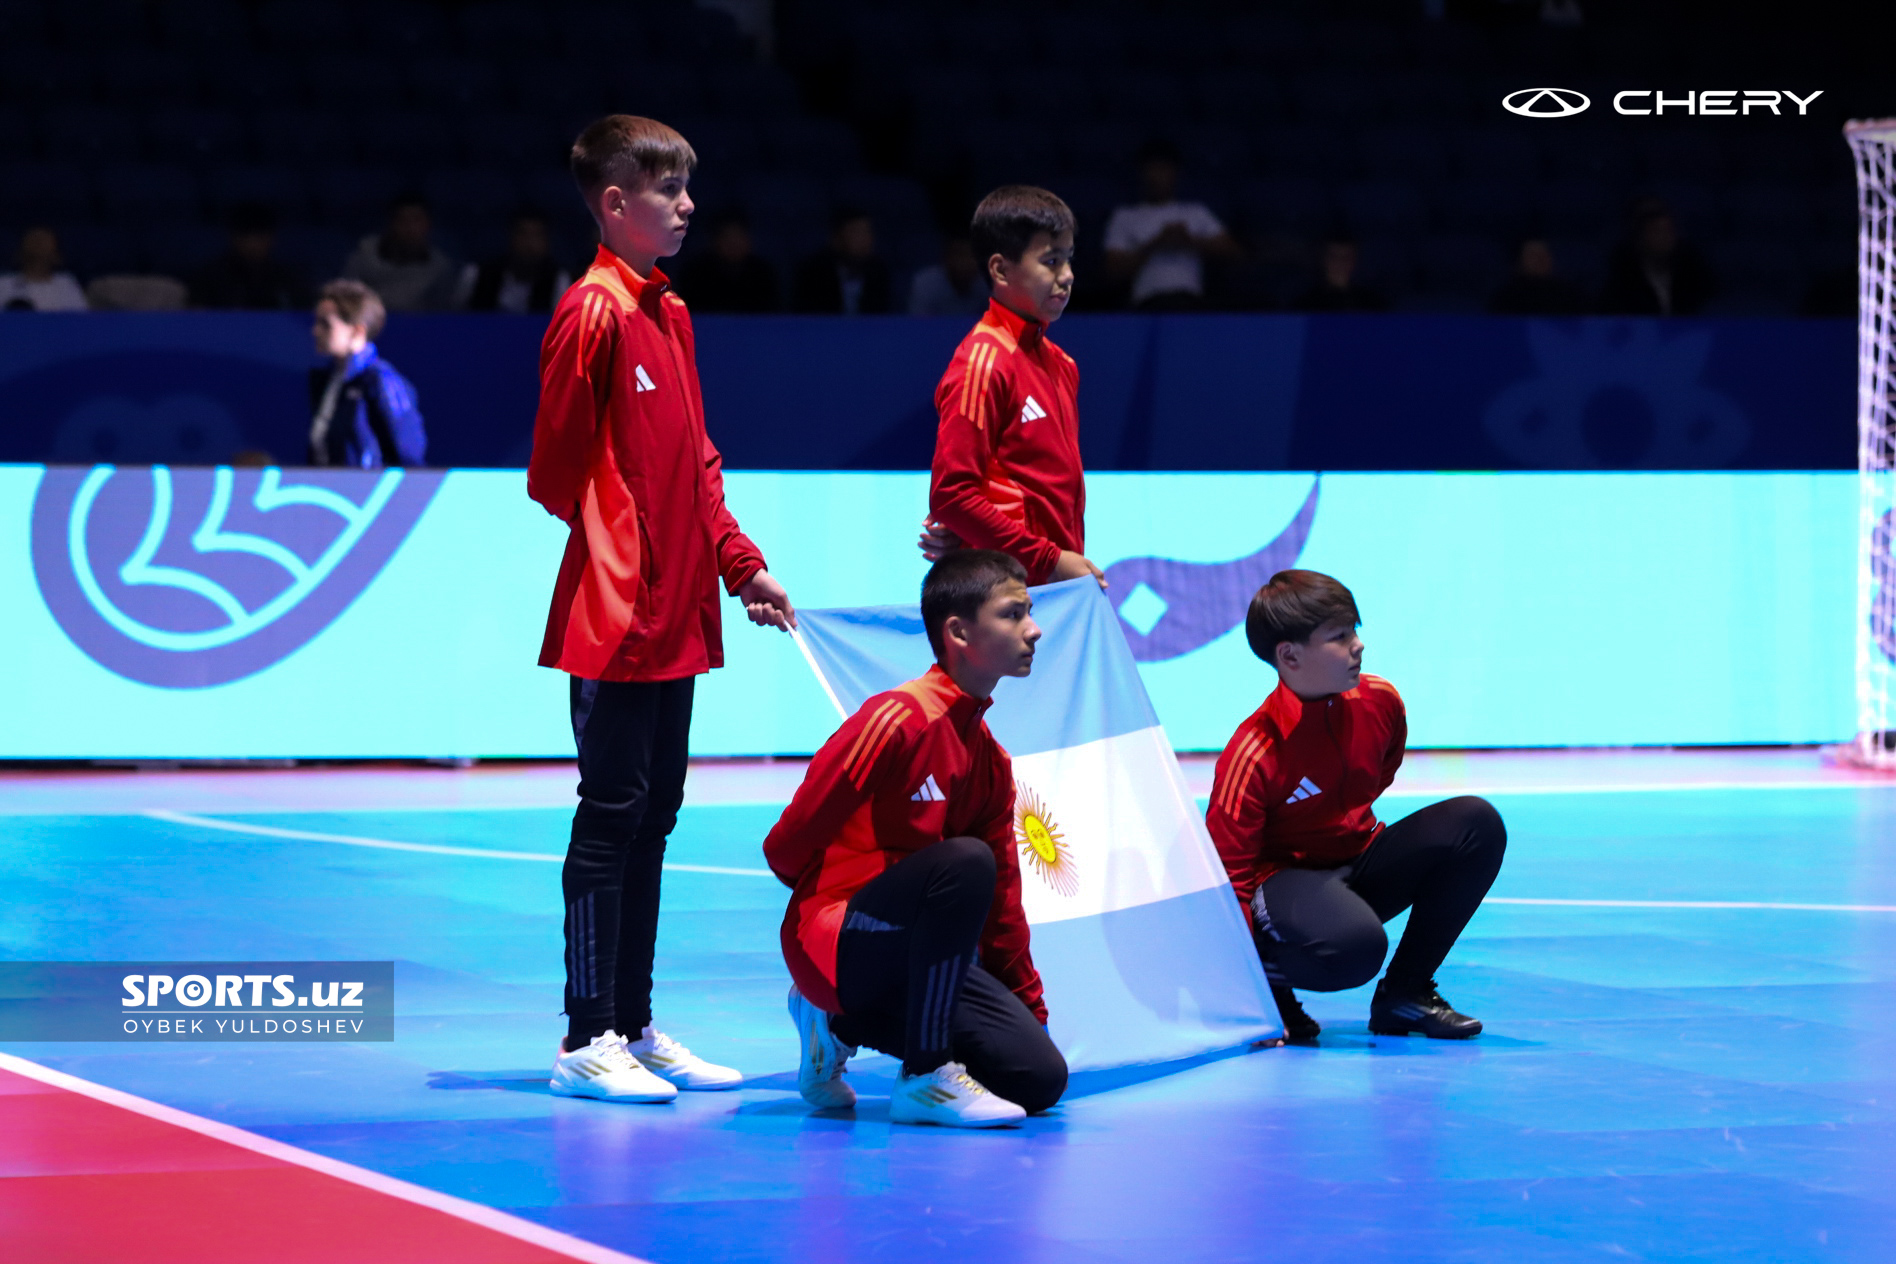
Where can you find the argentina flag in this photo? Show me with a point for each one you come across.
(1142, 947)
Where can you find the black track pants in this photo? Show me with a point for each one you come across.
(1321, 929)
(910, 984)
(634, 741)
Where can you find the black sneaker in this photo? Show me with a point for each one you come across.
(1428, 1013)
(1299, 1027)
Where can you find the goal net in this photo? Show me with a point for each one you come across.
(1874, 146)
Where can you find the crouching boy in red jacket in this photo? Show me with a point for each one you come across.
(621, 456)
(1291, 812)
(905, 929)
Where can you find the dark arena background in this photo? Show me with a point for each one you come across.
(1560, 331)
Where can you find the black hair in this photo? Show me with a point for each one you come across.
(1294, 605)
(1007, 219)
(1159, 149)
(960, 584)
(848, 213)
(252, 217)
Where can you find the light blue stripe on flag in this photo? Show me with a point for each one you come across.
(866, 650)
(1144, 952)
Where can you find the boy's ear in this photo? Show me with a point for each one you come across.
(997, 269)
(954, 630)
(1287, 654)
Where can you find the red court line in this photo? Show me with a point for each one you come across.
(89, 1174)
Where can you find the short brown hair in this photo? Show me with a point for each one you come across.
(1007, 219)
(618, 146)
(357, 304)
(1294, 605)
(959, 584)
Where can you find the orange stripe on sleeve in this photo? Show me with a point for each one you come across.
(862, 738)
(974, 385)
(1242, 765)
(874, 735)
(889, 731)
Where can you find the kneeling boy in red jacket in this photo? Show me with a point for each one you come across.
(1291, 813)
(905, 930)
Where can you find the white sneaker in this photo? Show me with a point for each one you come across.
(663, 1056)
(820, 1073)
(949, 1096)
(607, 1070)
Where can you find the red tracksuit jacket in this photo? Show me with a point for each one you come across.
(1007, 469)
(620, 454)
(914, 766)
(1295, 783)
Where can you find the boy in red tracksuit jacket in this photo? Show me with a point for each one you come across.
(905, 930)
(1291, 814)
(1007, 473)
(620, 454)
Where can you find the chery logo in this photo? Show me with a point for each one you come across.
(1545, 102)
(191, 578)
(1566, 102)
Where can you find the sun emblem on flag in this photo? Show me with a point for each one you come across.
(1042, 845)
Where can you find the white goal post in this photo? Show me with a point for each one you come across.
(1873, 144)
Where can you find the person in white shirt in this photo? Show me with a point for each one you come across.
(1159, 244)
(40, 285)
(402, 263)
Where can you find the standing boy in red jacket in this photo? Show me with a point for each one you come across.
(1007, 473)
(1291, 813)
(905, 930)
(620, 455)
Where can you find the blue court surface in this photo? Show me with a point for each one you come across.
(1679, 1064)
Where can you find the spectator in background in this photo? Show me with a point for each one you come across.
(1652, 272)
(953, 287)
(1336, 288)
(402, 264)
(731, 276)
(525, 279)
(1536, 288)
(363, 413)
(248, 275)
(1159, 244)
(846, 277)
(40, 285)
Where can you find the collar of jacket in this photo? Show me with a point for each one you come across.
(1025, 332)
(964, 709)
(359, 361)
(645, 291)
(1286, 710)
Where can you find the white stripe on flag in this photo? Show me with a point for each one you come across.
(796, 634)
(1128, 822)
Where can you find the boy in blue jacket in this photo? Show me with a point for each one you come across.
(362, 412)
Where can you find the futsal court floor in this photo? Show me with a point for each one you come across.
(1687, 970)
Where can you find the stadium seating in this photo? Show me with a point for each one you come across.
(117, 115)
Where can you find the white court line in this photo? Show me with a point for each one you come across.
(385, 844)
(486, 1217)
(1699, 904)
(351, 840)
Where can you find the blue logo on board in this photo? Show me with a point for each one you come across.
(186, 578)
(1169, 608)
